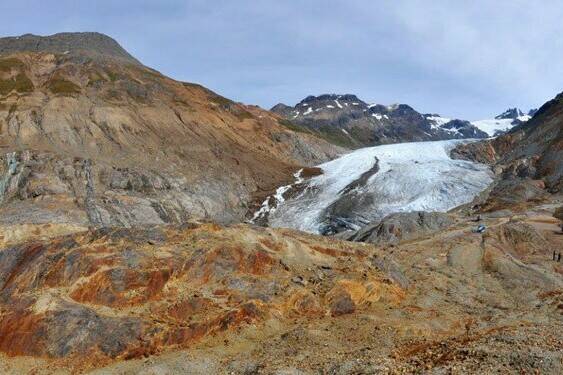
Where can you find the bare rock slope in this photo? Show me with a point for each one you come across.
(528, 159)
(89, 135)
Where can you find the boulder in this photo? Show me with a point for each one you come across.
(402, 226)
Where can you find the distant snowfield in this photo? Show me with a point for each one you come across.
(492, 126)
(411, 176)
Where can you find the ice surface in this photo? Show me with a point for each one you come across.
(411, 176)
(491, 126)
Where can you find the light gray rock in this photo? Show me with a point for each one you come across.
(403, 226)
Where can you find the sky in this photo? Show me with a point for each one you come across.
(462, 59)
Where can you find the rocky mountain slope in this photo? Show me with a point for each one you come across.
(528, 159)
(90, 136)
(348, 121)
(90, 45)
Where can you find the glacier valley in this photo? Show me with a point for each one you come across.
(370, 183)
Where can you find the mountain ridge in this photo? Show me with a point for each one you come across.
(113, 142)
(349, 121)
(91, 43)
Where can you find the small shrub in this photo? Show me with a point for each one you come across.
(242, 114)
(223, 102)
(113, 76)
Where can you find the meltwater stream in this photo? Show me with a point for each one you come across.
(372, 182)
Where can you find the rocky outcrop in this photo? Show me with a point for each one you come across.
(528, 159)
(46, 188)
(511, 113)
(402, 226)
(463, 129)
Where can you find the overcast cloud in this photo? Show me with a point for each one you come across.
(461, 59)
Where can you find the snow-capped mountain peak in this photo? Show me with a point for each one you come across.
(503, 122)
(510, 113)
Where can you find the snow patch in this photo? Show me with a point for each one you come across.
(492, 126)
(276, 199)
(437, 121)
(498, 125)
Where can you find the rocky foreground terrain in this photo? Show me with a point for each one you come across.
(202, 299)
(122, 251)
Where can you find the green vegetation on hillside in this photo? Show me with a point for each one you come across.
(335, 136)
(10, 63)
(61, 86)
(291, 126)
(95, 78)
(20, 84)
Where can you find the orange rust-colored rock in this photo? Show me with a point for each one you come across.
(128, 293)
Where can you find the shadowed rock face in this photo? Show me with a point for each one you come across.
(103, 132)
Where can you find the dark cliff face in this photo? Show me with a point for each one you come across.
(465, 128)
(348, 121)
(93, 44)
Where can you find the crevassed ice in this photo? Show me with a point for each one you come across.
(411, 176)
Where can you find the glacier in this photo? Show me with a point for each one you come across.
(495, 126)
(370, 183)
